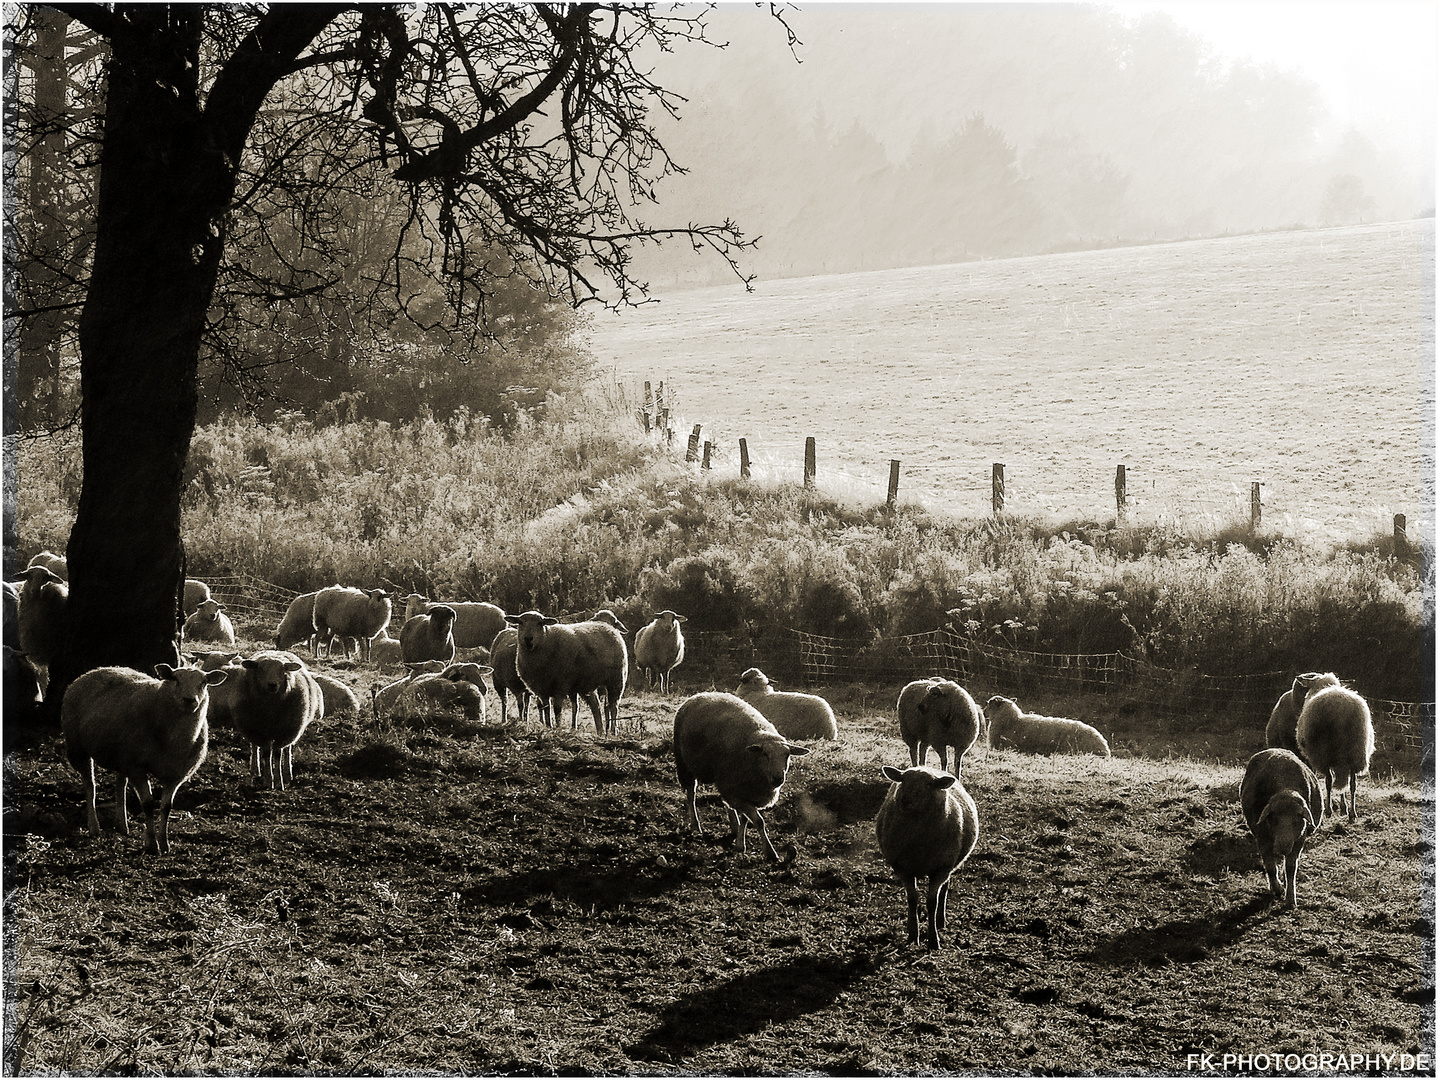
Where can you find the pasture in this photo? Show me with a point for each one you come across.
(1296, 359)
(444, 897)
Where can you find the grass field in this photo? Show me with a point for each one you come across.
(1296, 359)
(435, 896)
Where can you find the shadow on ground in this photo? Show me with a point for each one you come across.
(1183, 941)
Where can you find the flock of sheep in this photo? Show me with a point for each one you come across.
(141, 726)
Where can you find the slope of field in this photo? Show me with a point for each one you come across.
(433, 896)
(1295, 359)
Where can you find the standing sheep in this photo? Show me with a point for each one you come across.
(557, 661)
(196, 593)
(927, 826)
(1282, 729)
(795, 716)
(1279, 794)
(275, 700)
(298, 624)
(722, 740)
(503, 656)
(659, 648)
(475, 623)
(938, 713)
(209, 623)
(44, 598)
(1335, 737)
(1034, 734)
(351, 615)
(120, 719)
(429, 636)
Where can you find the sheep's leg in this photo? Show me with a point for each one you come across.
(1270, 863)
(255, 759)
(917, 753)
(943, 903)
(122, 811)
(592, 700)
(87, 776)
(287, 764)
(943, 756)
(275, 765)
(911, 887)
(1290, 865)
(691, 792)
(1328, 788)
(1353, 796)
(764, 832)
(934, 898)
(738, 828)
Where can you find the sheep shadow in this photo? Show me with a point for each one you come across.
(748, 1003)
(1182, 941)
(604, 888)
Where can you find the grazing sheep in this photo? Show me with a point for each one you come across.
(121, 719)
(1279, 795)
(722, 740)
(475, 623)
(429, 636)
(795, 716)
(274, 700)
(1034, 734)
(938, 713)
(196, 593)
(1335, 737)
(1282, 729)
(927, 826)
(659, 648)
(385, 651)
(503, 658)
(209, 623)
(298, 624)
(22, 697)
(56, 564)
(557, 661)
(350, 614)
(43, 600)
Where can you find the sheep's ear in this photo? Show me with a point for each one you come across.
(796, 751)
(164, 671)
(294, 665)
(891, 773)
(250, 664)
(214, 678)
(550, 620)
(944, 781)
(513, 620)
(681, 618)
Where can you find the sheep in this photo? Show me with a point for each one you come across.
(121, 719)
(196, 593)
(1282, 729)
(276, 698)
(350, 614)
(56, 564)
(927, 826)
(557, 661)
(44, 598)
(459, 685)
(22, 697)
(209, 623)
(502, 656)
(11, 630)
(796, 716)
(1335, 737)
(1279, 794)
(1034, 734)
(938, 713)
(339, 698)
(722, 740)
(475, 624)
(385, 651)
(604, 615)
(659, 648)
(298, 624)
(429, 636)
(213, 661)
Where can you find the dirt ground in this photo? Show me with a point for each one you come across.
(436, 896)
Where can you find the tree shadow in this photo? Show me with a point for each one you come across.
(748, 1003)
(1182, 941)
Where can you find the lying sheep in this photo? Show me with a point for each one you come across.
(795, 716)
(1034, 734)
(213, 661)
(350, 614)
(429, 636)
(22, 697)
(1283, 807)
(458, 686)
(927, 826)
(120, 719)
(44, 598)
(209, 623)
(298, 624)
(276, 698)
(385, 651)
(558, 661)
(938, 713)
(659, 648)
(196, 593)
(1335, 737)
(722, 740)
(56, 564)
(475, 623)
(1282, 729)
(503, 657)
(339, 699)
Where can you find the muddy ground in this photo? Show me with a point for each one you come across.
(437, 896)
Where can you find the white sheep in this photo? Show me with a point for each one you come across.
(56, 564)
(927, 826)
(659, 648)
(1283, 805)
(213, 661)
(385, 651)
(458, 686)
(274, 700)
(121, 719)
(475, 623)
(559, 661)
(1011, 727)
(795, 716)
(1282, 729)
(350, 614)
(298, 624)
(44, 598)
(504, 660)
(339, 698)
(938, 713)
(429, 636)
(209, 623)
(722, 740)
(196, 593)
(1335, 737)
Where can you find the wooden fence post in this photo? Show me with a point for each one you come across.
(893, 483)
(659, 402)
(1400, 536)
(692, 454)
(810, 463)
(998, 488)
(708, 446)
(645, 415)
(1255, 506)
(743, 459)
(648, 397)
(1120, 491)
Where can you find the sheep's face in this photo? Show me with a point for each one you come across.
(604, 615)
(940, 701)
(923, 790)
(441, 618)
(1288, 820)
(468, 673)
(769, 761)
(1003, 706)
(414, 605)
(37, 577)
(190, 685)
(668, 619)
(209, 610)
(270, 675)
(531, 626)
